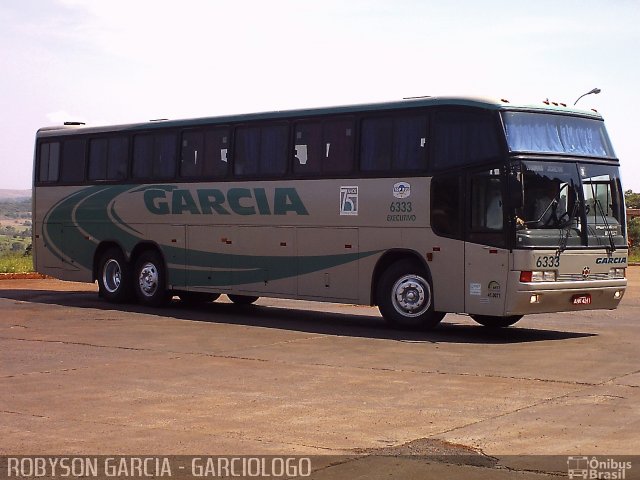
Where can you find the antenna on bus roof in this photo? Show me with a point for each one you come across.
(413, 98)
(159, 120)
(74, 123)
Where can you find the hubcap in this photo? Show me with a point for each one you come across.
(111, 275)
(148, 279)
(411, 295)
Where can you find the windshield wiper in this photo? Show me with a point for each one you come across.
(612, 243)
(565, 231)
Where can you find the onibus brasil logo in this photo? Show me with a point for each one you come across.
(597, 468)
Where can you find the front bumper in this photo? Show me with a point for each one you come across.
(557, 296)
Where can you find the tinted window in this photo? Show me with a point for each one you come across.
(73, 161)
(376, 145)
(464, 137)
(247, 151)
(216, 144)
(164, 155)
(446, 212)
(487, 208)
(118, 158)
(393, 144)
(192, 154)
(154, 156)
(98, 159)
(143, 156)
(49, 162)
(338, 146)
(261, 150)
(324, 147)
(308, 148)
(108, 158)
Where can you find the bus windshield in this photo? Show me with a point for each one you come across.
(562, 134)
(565, 205)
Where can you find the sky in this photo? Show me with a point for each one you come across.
(123, 61)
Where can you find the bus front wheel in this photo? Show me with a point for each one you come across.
(405, 296)
(496, 322)
(242, 299)
(114, 276)
(149, 279)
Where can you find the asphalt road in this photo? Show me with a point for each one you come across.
(80, 376)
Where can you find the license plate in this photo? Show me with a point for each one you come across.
(581, 299)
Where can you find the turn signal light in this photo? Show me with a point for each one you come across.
(538, 276)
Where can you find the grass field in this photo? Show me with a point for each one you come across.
(15, 263)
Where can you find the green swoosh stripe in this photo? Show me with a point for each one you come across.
(90, 213)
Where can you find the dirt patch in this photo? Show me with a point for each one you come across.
(23, 276)
(435, 450)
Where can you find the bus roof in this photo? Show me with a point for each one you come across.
(71, 128)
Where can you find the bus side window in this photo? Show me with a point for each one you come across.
(393, 144)
(261, 150)
(486, 201)
(118, 158)
(154, 156)
(142, 156)
(376, 144)
(49, 162)
(216, 151)
(446, 212)
(338, 146)
(73, 161)
(308, 148)
(108, 158)
(410, 144)
(486, 208)
(164, 160)
(463, 137)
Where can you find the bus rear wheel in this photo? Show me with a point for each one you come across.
(405, 297)
(242, 299)
(491, 321)
(114, 276)
(150, 279)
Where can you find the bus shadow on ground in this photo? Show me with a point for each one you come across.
(302, 320)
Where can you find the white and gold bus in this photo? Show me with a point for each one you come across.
(421, 207)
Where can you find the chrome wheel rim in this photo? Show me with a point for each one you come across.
(148, 279)
(111, 275)
(411, 296)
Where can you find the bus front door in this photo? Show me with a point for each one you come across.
(486, 270)
(486, 258)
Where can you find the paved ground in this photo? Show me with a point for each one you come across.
(81, 376)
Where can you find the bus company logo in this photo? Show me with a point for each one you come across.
(586, 271)
(595, 468)
(601, 260)
(170, 200)
(402, 190)
(348, 200)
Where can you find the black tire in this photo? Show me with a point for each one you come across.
(242, 299)
(114, 277)
(490, 321)
(149, 280)
(197, 297)
(404, 296)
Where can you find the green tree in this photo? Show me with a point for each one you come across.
(632, 199)
(633, 231)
